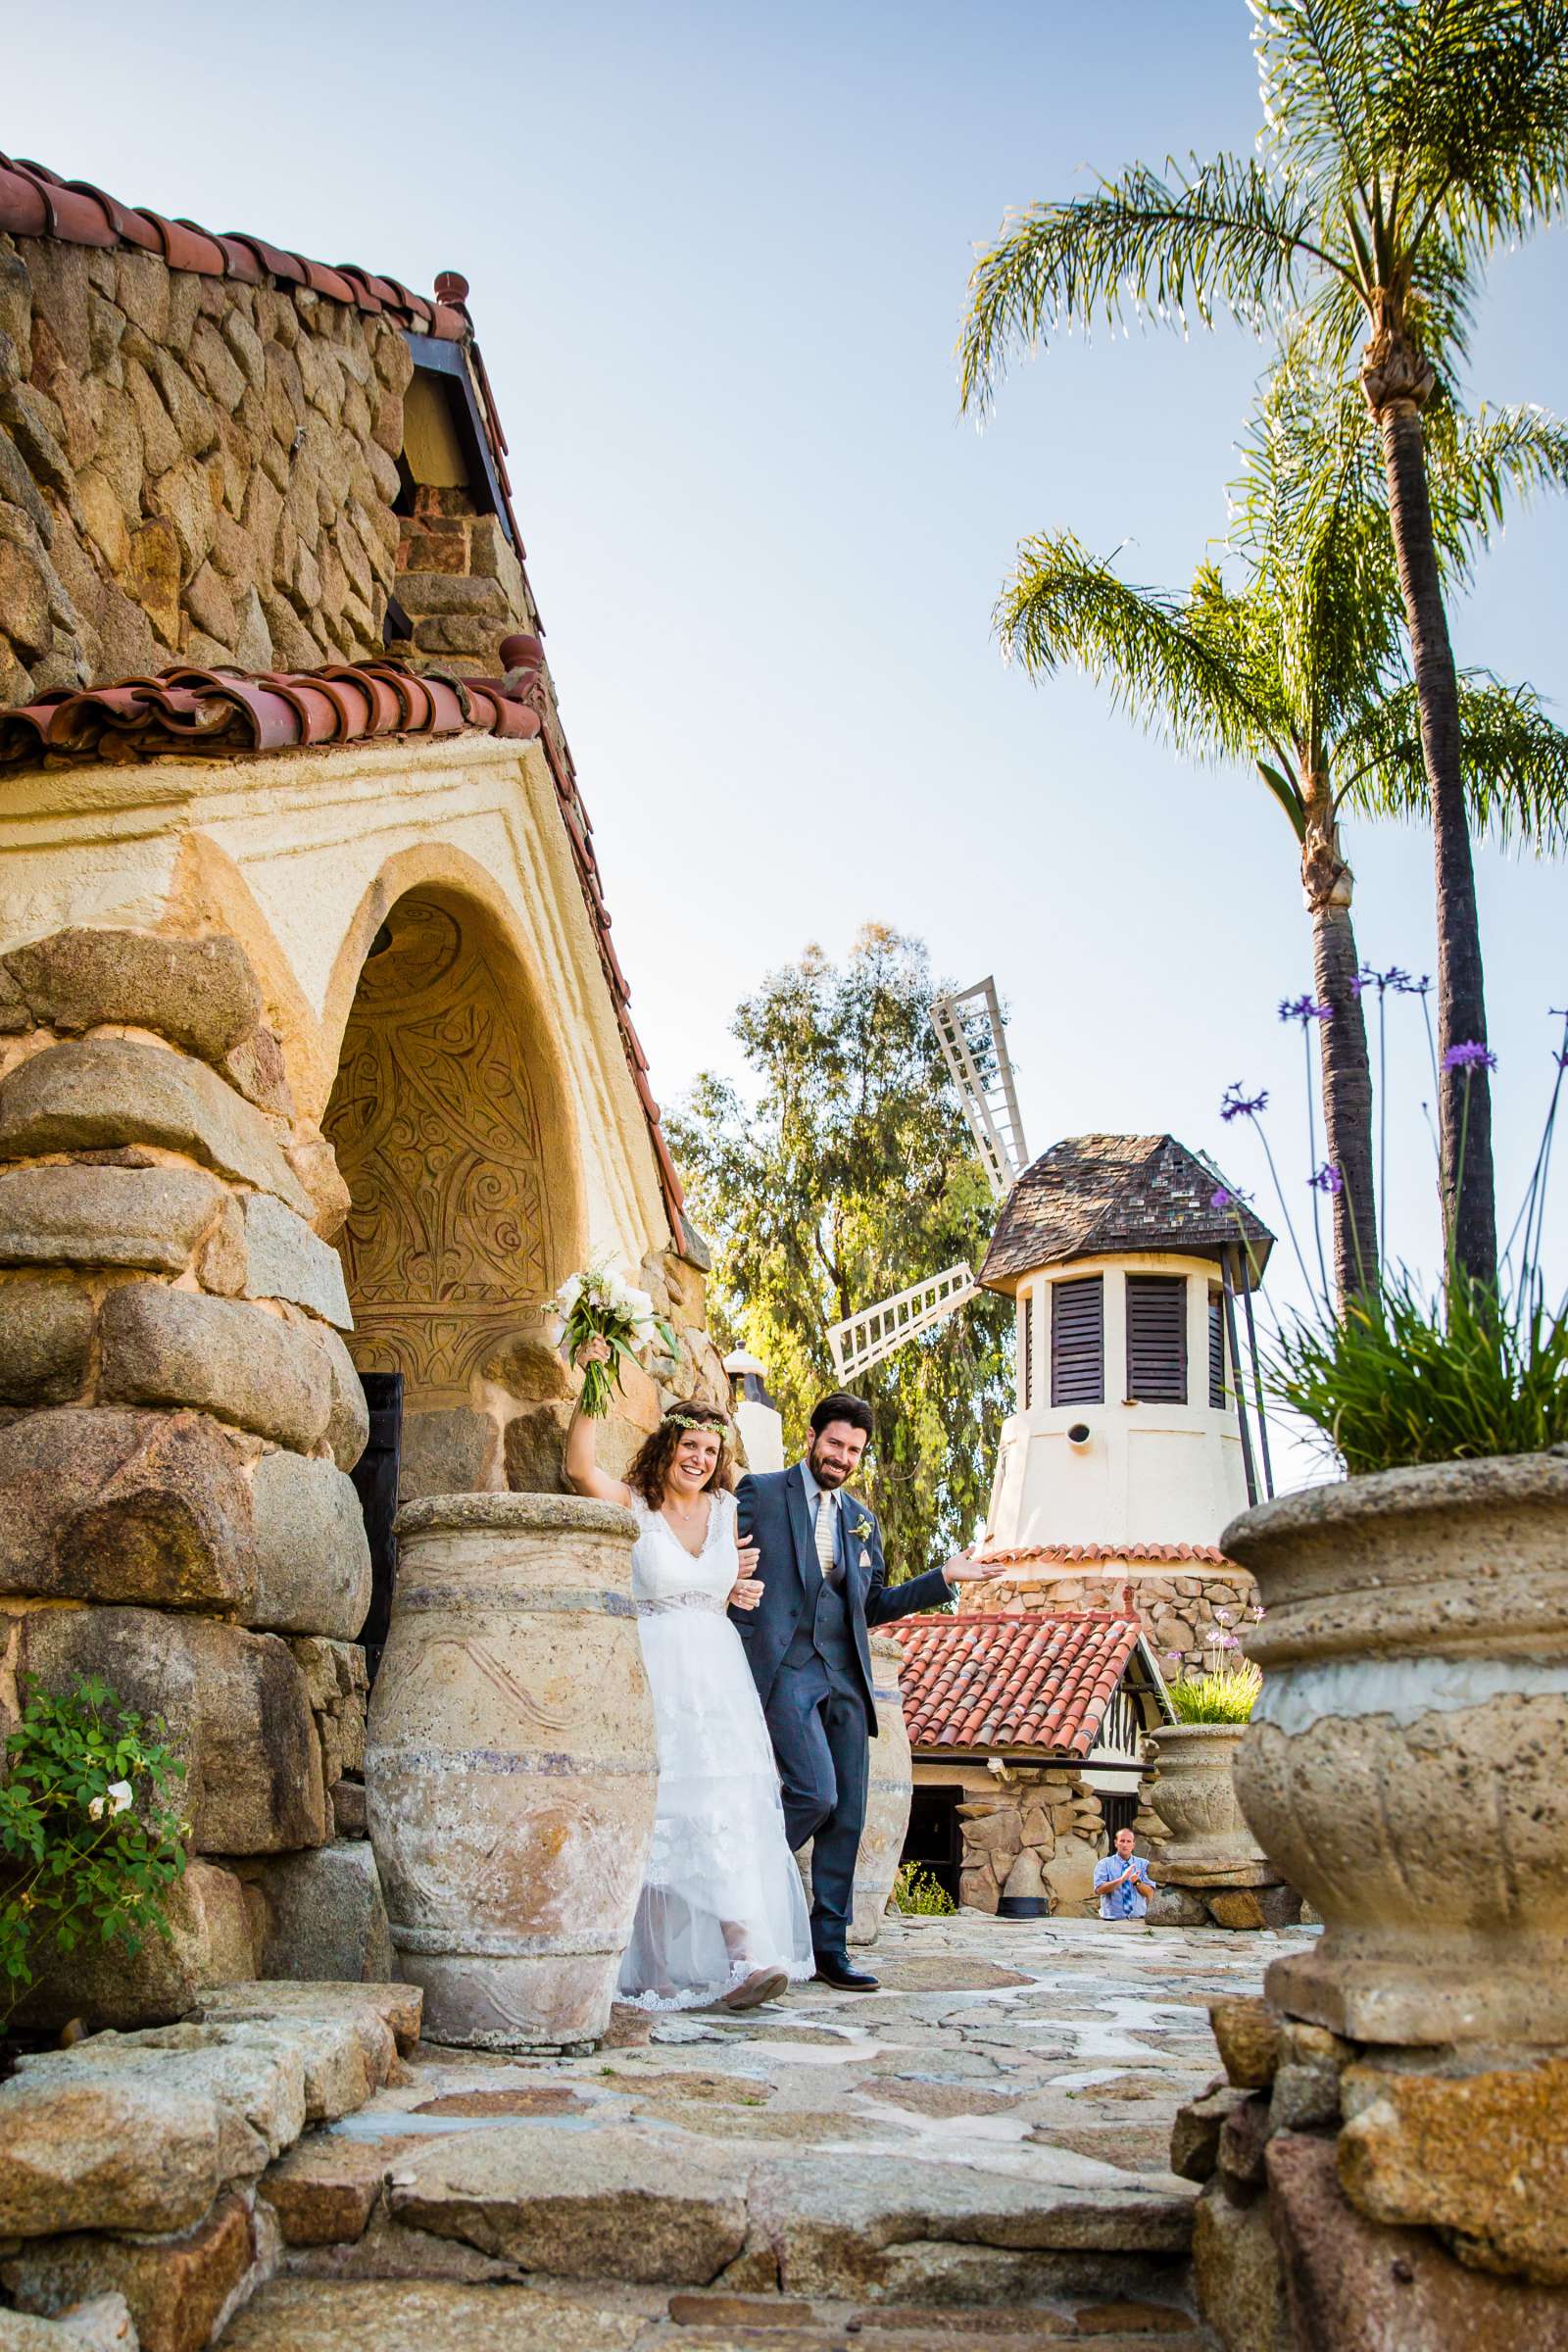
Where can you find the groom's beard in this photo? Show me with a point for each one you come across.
(829, 1476)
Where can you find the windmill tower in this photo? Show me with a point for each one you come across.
(1129, 1445)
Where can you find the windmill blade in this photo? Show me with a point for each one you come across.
(989, 1095)
(864, 1339)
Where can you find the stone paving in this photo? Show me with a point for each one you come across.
(982, 2146)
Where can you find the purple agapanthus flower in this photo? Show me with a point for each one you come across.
(1237, 1106)
(1472, 1056)
(1224, 1195)
(1303, 1010)
(1370, 977)
(1408, 987)
(1328, 1179)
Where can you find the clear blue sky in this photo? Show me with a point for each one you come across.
(717, 257)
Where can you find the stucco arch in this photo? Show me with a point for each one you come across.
(451, 1121)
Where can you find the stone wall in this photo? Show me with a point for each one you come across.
(1043, 1811)
(1183, 1615)
(191, 469)
(179, 1411)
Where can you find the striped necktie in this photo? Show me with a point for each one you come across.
(826, 1522)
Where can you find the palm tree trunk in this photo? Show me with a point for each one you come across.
(1397, 382)
(1347, 1071)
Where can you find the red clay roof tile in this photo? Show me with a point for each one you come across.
(1086, 1554)
(1012, 1681)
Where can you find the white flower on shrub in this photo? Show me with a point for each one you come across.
(116, 1800)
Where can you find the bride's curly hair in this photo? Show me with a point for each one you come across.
(650, 1464)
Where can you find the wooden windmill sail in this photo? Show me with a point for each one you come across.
(972, 1035)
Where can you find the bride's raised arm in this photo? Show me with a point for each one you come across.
(583, 1469)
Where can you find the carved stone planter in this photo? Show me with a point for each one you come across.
(1407, 1766)
(512, 1765)
(1210, 1844)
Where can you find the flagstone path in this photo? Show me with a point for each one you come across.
(979, 2148)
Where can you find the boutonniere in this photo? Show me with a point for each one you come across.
(861, 1530)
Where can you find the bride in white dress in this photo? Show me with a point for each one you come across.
(723, 1915)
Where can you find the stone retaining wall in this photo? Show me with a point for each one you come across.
(1182, 1616)
(181, 1413)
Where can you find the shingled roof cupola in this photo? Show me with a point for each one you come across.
(1125, 1431)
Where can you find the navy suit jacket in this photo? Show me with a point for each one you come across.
(774, 1515)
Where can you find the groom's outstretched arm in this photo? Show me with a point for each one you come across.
(884, 1601)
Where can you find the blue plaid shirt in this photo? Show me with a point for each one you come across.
(1120, 1902)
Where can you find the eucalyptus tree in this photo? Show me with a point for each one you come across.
(1295, 663)
(1403, 142)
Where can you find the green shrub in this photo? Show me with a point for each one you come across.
(1404, 1377)
(917, 1891)
(90, 1842)
(1226, 1694)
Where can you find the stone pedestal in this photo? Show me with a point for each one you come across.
(512, 1766)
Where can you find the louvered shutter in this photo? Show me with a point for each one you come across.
(1156, 1338)
(1026, 1350)
(1216, 1351)
(1078, 1341)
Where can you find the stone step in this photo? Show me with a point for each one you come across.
(295, 2315)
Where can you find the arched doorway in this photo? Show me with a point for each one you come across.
(449, 1123)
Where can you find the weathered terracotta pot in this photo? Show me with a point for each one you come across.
(1210, 1844)
(512, 1765)
(888, 1797)
(1407, 1765)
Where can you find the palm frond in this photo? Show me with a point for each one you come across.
(1218, 237)
(1515, 761)
(1186, 671)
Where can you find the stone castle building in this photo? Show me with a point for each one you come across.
(316, 1055)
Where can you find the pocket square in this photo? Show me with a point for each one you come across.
(865, 1559)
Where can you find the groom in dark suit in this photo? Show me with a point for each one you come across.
(824, 1582)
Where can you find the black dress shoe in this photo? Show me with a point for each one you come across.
(833, 1968)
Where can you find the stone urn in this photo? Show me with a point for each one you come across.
(512, 1766)
(1210, 1844)
(1407, 1764)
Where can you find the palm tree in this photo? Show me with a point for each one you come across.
(1402, 140)
(1300, 670)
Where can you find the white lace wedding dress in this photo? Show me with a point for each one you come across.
(721, 1895)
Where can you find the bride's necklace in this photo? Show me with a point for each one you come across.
(695, 1515)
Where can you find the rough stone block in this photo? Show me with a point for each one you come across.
(85, 1216)
(103, 2323)
(348, 1808)
(91, 2149)
(104, 1504)
(105, 1091)
(324, 2190)
(1235, 1907)
(312, 1556)
(176, 2286)
(1237, 2275)
(534, 1450)
(1248, 2033)
(285, 1259)
(235, 1704)
(348, 1423)
(1357, 2286)
(325, 1917)
(46, 1337)
(167, 1347)
(446, 1453)
(1242, 2138)
(200, 992)
(1177, 1907)
(209, 1944)
(1195, 2135)
(1483, 2157)
(337, 1687)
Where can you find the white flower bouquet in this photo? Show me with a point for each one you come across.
(601, 1304)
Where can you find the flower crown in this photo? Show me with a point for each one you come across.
(716, 1429)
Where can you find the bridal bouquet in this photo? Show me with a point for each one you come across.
(599, 1304)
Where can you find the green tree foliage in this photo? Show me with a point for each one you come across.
(1403, 142)
(853, 1177)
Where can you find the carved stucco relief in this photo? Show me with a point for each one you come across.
(435, 1123)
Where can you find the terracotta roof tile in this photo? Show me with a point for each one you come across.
(35, 202)
(1088, 1554)
(228, 713)
(1095, 1194)
(1012, 1681)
